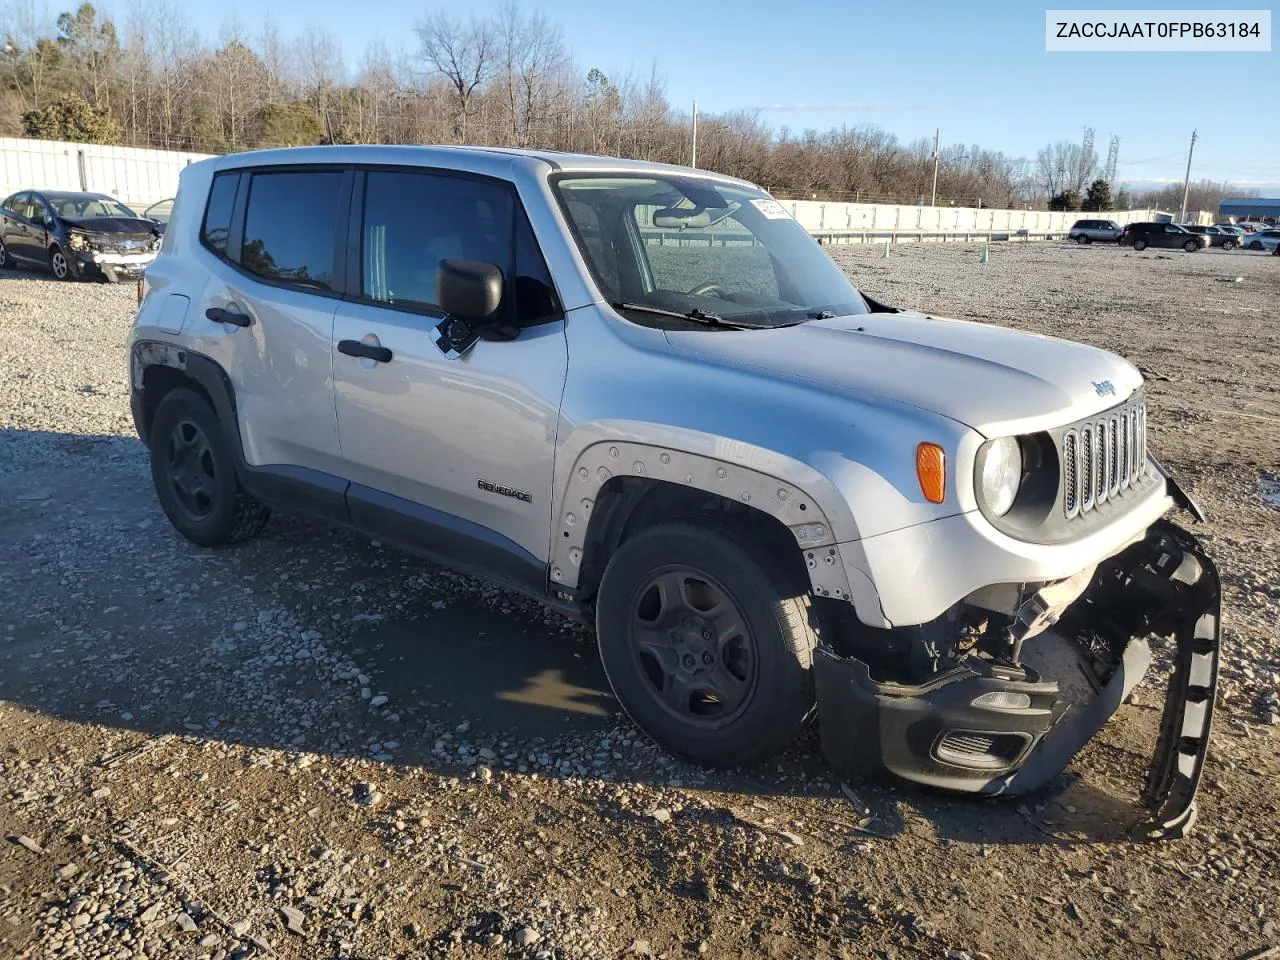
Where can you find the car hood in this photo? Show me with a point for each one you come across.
(111, 224)
(996, 380)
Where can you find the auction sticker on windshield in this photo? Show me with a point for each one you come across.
(771, 208)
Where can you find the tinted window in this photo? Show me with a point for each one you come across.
(535, 294)
(412, 221)
(217, 215)
(291, 226)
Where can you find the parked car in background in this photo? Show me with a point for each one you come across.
(159, 213)
(1224, 237)
(1087, 231)
(1143, 235)
(1263, 240)
(75, 235)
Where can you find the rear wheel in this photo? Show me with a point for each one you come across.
(707, 644)
(194, 474)
(1082, 239)
(1255, 245)
(1139, 245)
(4, 255)
(1191, 246)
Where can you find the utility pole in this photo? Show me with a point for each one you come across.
(693, 161)
(937, 134)
(1186, 184)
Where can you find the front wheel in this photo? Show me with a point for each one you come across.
(707, 643)
(1139, 245)
(59, 265)
(1228, 244)
(1255, 245)
(1082, 239)
(5, 262)
(1191, 246)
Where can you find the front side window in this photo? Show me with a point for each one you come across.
(412, 221)
(687, 244)
(291, 227)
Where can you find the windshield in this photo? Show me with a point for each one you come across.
(696, 246)
(70, 205)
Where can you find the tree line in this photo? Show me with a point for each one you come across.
(152, 80)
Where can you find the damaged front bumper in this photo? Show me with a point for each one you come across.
(1000, 728)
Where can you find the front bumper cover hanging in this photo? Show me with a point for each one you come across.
(1003, 729)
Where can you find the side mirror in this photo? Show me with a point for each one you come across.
(49, 222)
(469, 289)
(470, 293)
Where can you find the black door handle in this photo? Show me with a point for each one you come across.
(220, 315)
(358, 348)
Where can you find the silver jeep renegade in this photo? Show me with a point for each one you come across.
(644, 395)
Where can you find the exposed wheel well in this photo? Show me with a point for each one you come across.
(627, 505)
(157, 380)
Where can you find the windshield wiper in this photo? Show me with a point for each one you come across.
(821, 315)
(710, 319)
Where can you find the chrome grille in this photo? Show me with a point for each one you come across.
(1070, 492)
(1103, 456)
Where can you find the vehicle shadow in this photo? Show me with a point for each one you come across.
(290, 642)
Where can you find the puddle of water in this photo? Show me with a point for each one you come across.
(1270, 491)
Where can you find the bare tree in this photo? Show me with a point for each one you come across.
(321, 69)
(463, 54)
(532, 56)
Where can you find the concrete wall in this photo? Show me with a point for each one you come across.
(141, 177)
(818, 216)
(135, 176)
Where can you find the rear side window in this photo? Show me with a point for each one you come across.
(217, 215)
(291, 227)
(412, 221)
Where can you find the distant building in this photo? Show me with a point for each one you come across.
(1246, 208)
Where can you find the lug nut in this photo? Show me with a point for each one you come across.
(708, 659)
(688, 660)
(706, 633)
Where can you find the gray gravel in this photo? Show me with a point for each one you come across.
(314, 746)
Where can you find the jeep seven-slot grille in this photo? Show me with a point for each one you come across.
(1103, 456)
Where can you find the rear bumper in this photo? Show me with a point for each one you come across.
(1001, 729)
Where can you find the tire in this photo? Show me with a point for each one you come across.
(1139, 245)
(194, 474)
(1255, 245)
(1228, 245)
(5, 262)
(1082, 239)
(1191, 246)
(59, 265)
(656, 631)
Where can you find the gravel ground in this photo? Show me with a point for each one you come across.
(311, 746)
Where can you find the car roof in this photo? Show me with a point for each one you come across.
(73, 195)
(491, 160)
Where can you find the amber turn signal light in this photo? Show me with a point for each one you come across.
(931, 470)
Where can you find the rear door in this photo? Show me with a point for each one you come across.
(452, 456)
(266, 312)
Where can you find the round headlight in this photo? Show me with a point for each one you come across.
(999, 473)
(77, 241)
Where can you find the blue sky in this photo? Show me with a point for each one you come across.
(978, 71)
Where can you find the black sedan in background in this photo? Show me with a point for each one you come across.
(75, 235)
(1224, 237)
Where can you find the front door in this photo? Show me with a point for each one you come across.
(452, 457)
